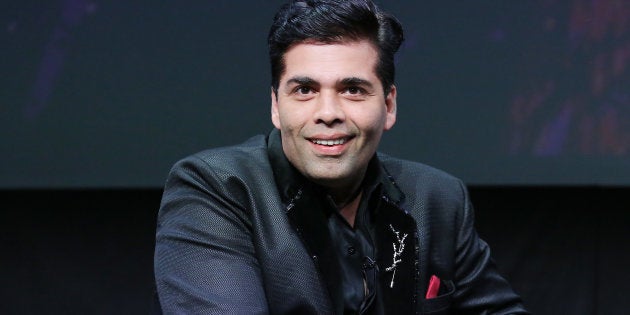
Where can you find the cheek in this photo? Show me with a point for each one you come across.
(286, 121)
(279, 118)
(372, 121)
(292, 119)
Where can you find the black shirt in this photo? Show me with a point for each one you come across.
(355, 252)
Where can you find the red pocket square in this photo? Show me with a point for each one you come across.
(434, 287)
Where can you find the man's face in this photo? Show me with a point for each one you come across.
(331, 111)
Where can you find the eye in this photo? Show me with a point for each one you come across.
(354, 90)
(303, 90)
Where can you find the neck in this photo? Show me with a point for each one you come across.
(349, 209)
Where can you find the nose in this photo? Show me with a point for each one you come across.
(329, 109)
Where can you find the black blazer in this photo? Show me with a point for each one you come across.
(229, 241)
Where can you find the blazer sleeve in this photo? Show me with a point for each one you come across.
(480, 289)
(205, 262)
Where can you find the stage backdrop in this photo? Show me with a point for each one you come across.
(111, 93)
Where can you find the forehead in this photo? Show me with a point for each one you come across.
(331, 60)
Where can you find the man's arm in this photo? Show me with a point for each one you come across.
(204, 256)
(479, 287)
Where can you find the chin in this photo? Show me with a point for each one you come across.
(329, 179)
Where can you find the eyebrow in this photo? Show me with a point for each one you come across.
(301, 81)
(355, 81)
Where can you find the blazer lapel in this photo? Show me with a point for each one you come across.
(397, 251)
(307, 216)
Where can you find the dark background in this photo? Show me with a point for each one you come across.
(526, 101)
(111, 93)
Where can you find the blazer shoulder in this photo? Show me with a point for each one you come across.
(249, 156)
(426, 188)
(231, 170)
(407, 172)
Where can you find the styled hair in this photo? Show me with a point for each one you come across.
(335, 21)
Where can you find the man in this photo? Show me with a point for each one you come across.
(310, 219)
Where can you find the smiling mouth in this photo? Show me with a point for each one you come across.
(330, 142)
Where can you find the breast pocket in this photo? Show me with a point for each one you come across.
(440, 304)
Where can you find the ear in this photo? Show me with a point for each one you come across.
(390, 107)
(275, 116)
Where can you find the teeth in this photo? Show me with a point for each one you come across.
(329, 142)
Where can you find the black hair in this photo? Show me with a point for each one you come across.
(335, 21)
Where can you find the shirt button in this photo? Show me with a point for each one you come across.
(351, 250)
